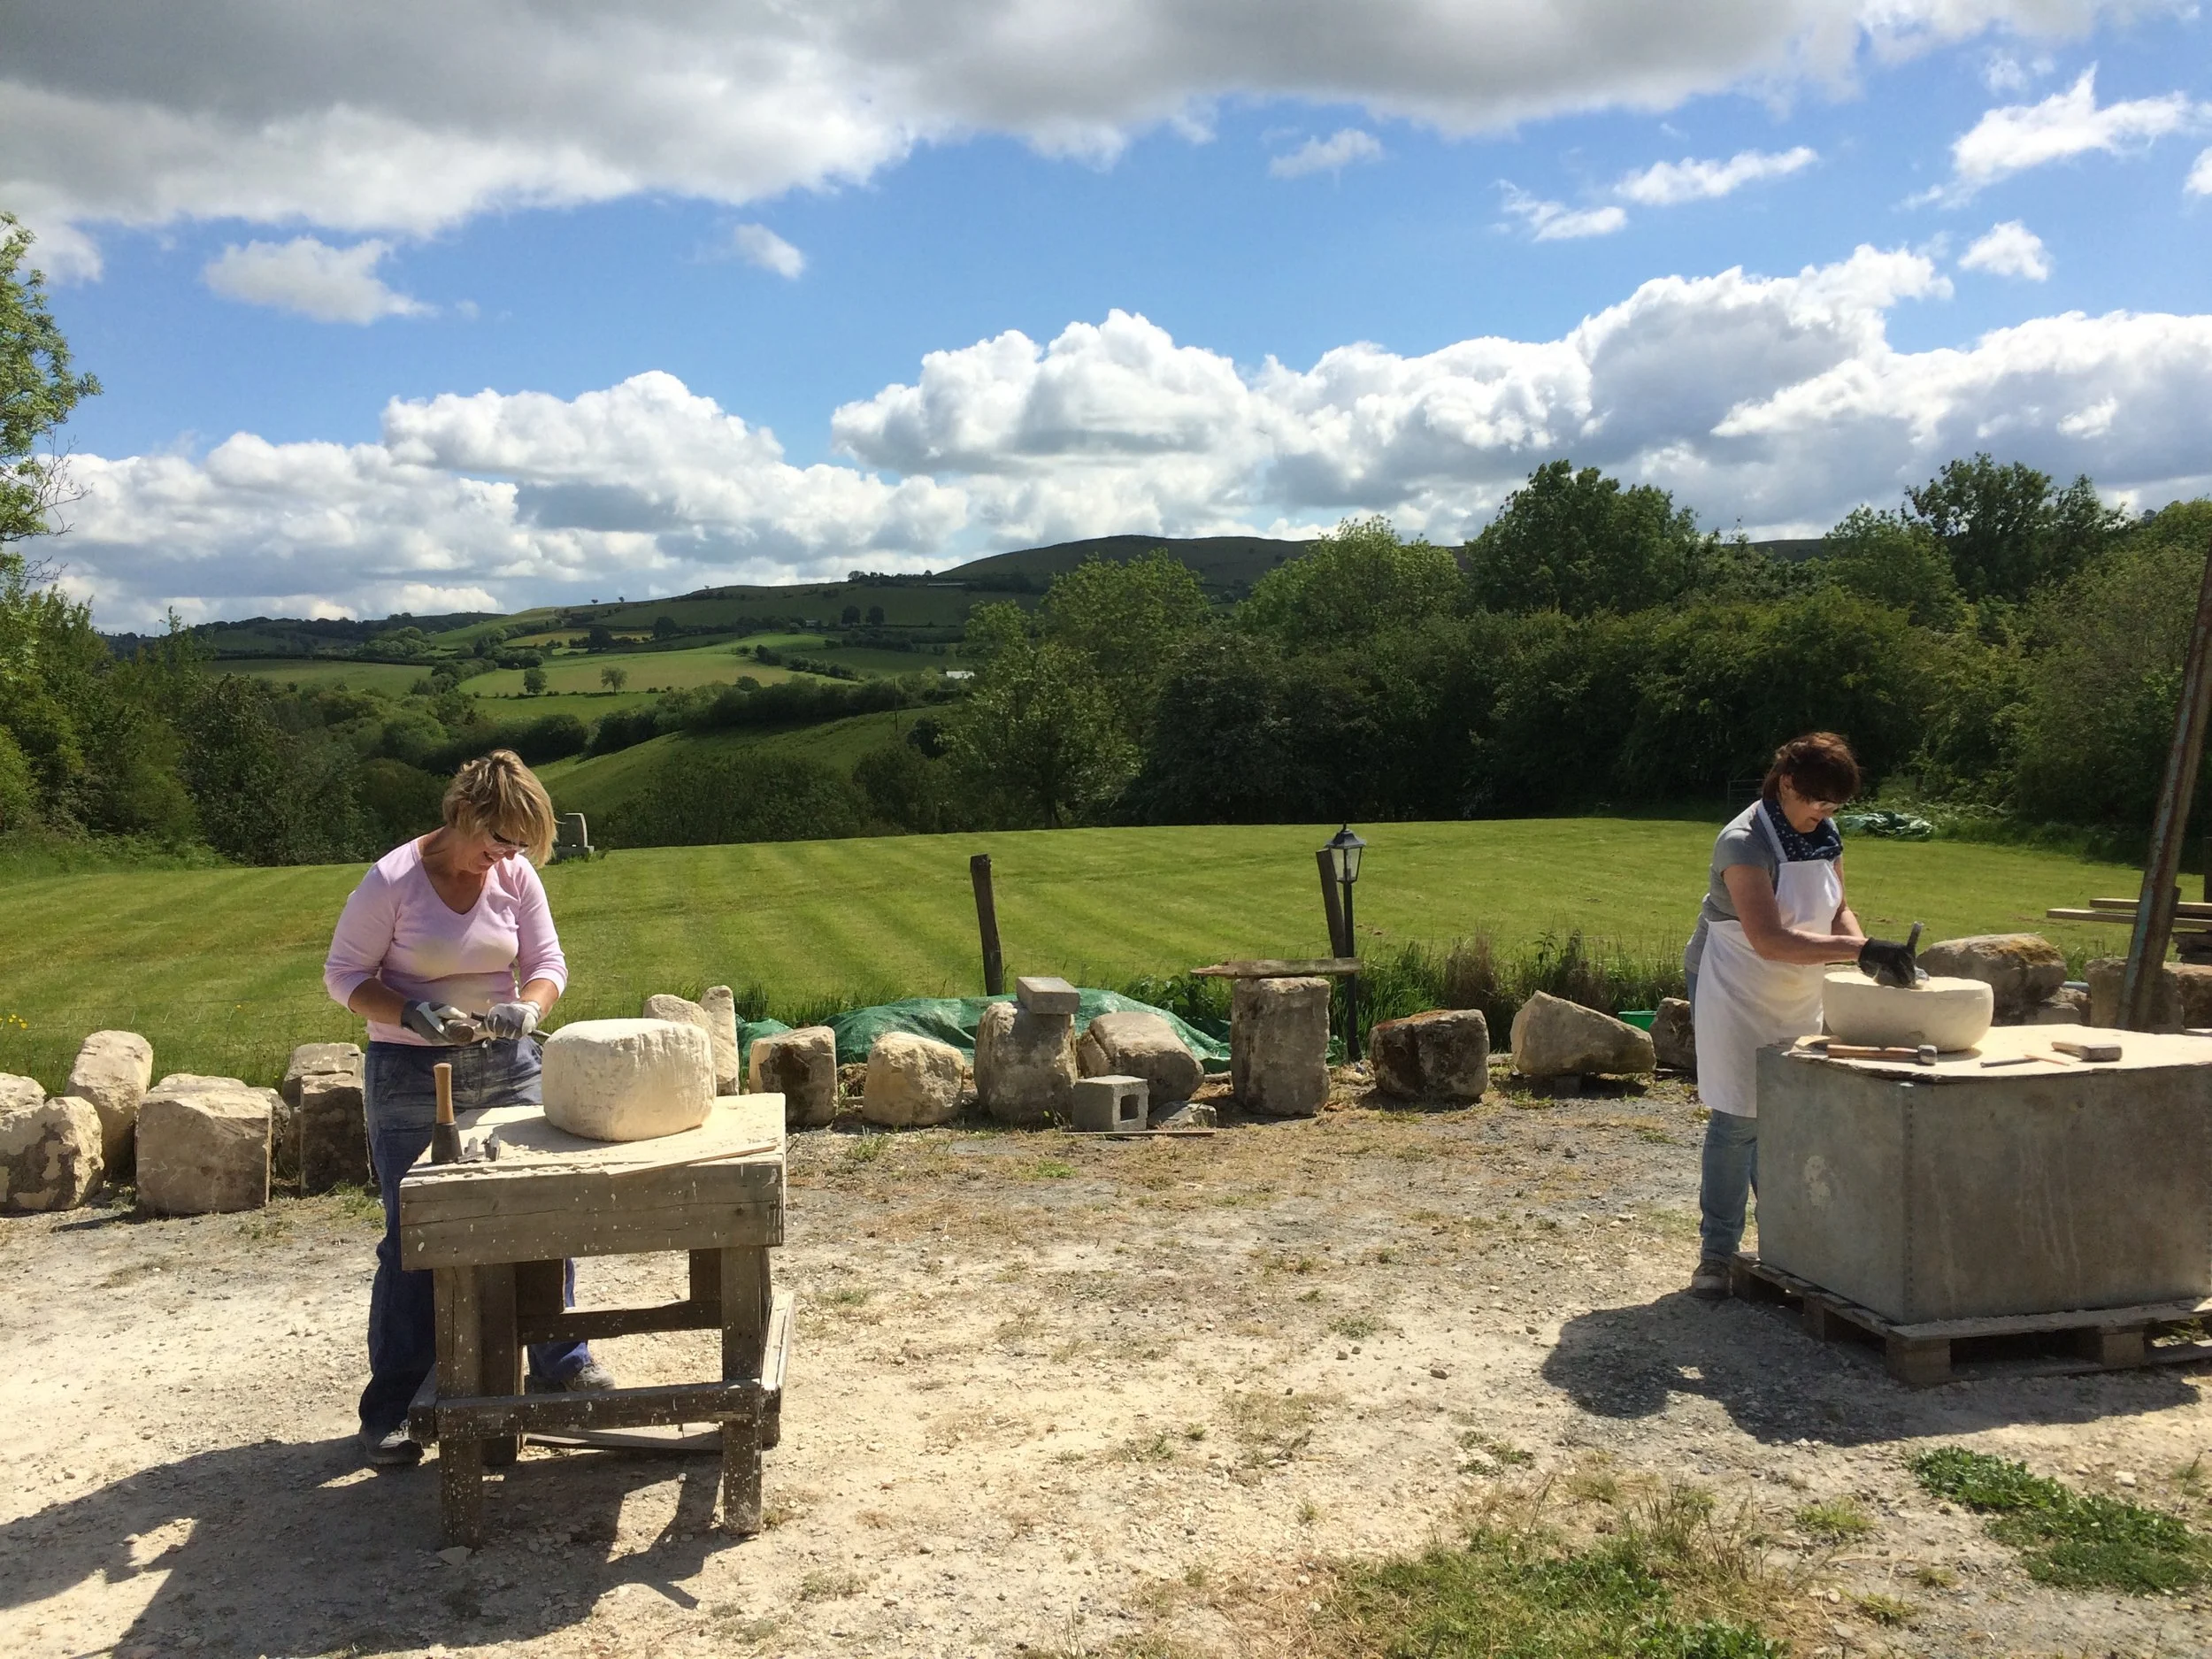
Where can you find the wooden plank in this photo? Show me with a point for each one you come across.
(774, 1364)
(2182, 907)
(1274, 968)
(422, 1418)
(502, 1350)
(432, 1195)
(616, 1409)
(671, 1441)
(745, 1308)
(1917, 1364)
(2060, 913)
(592, 1324)
(589, 1233)
(2176, 1312)
(540, 1292)
(460, 1461)
(1157, 1134)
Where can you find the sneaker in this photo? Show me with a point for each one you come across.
(591, 1377)
(1709, 1283)
(394, 1448)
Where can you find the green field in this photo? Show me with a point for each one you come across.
(395, 680)
(221, 968)
(669, 671)
(593, 786)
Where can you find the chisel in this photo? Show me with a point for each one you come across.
(1924, 1054)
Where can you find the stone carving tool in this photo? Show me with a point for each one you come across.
(445, 1135)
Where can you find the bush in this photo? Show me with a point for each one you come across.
(690, 800)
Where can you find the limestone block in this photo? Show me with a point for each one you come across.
(1674, 1036)
(1047, 994)
(20, 1091)
(2185, 999)
(1553, 1037)
(1025, 1064)
(1279, 1046)
(1440, 1054)
(911, 1081)
(1951, 1014)
(112, 1072)
(50, 1153)
(720, 1003)
(2021, 969)
(2066, 1006)
(802, 1066)
(332, 1131)
(682, 1009)
(310, 1060)
(1137, 1044)
(203, 1145)
(629, 1080)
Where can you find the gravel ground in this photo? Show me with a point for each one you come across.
(1047, 1394)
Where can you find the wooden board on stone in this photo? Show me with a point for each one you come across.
(1275, 968)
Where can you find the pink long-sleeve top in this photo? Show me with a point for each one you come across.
(396, 928)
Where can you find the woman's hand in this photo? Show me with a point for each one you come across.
(428, 1020)
(512, 1019)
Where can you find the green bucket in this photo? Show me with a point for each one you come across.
(1640, 1018)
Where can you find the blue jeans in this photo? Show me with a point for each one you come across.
(400, 1096)
(1730, 1173)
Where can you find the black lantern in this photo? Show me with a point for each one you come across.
(1343, 850)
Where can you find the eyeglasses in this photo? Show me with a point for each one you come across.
(509, 848)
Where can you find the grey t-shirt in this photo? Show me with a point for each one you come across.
(1745, 841)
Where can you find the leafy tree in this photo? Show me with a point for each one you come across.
(1042, 730)
(37, 391)
(875, 615)
(909, 791)
(614, 678)
(691, 800)
(533, 681)
(267, 795)
(1578, 542)
(1353, 582)
(1894, 561)
(2007, 531)
(666, 627)
(599, 637)
(850, 617)
(1126, 618)
(2101, 685)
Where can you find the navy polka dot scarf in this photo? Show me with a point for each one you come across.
(1825, 842)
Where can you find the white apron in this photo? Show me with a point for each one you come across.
(1743, 1002)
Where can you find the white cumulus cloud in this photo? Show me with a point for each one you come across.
(1666, 183)
(1556, 221)
(1332, 154)
(2067, 124)
(1776, 402)
(2010, 250)
(2200, 180)
(330, 285)
(756, 244)
(396, 120)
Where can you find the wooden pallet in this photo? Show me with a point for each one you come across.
(1923, 1355)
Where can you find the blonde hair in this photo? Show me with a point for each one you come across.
(497, 796)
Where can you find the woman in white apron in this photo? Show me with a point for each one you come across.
(1775, 921)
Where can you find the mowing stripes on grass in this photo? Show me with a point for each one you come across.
(2074, 1541)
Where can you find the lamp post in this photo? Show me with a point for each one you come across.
(1343, 850)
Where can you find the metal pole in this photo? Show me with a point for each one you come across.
(2154, 910)
(1351, 985)
(1330, 905)
(986, 921)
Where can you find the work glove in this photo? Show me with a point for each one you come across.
(428, 1020)
(1885, 962)
(518, 1018)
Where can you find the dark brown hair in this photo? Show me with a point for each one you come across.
(1819, 766)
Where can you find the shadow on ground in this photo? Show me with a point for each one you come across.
(1776, 1384)
(294, 1548)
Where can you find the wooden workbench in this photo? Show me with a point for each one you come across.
(495, 1233)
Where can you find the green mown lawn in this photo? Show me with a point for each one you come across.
(221, 968)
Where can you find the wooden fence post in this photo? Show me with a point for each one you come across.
(986, 919)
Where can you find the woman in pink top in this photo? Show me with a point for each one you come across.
(454, 923)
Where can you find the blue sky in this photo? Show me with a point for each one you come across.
(219, 265)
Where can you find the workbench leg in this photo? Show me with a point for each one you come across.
(460, 1377)
(745, 1293)
(501, 1349)
(2127, 1347)
(1917, 1363)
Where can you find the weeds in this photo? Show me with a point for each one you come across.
(1836, 1522)
(2071, 1540)
(1356, 1327)
(1472, 972)
(1887, 1609)
(1671, 1585)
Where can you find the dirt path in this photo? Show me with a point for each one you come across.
(1047, 1394)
